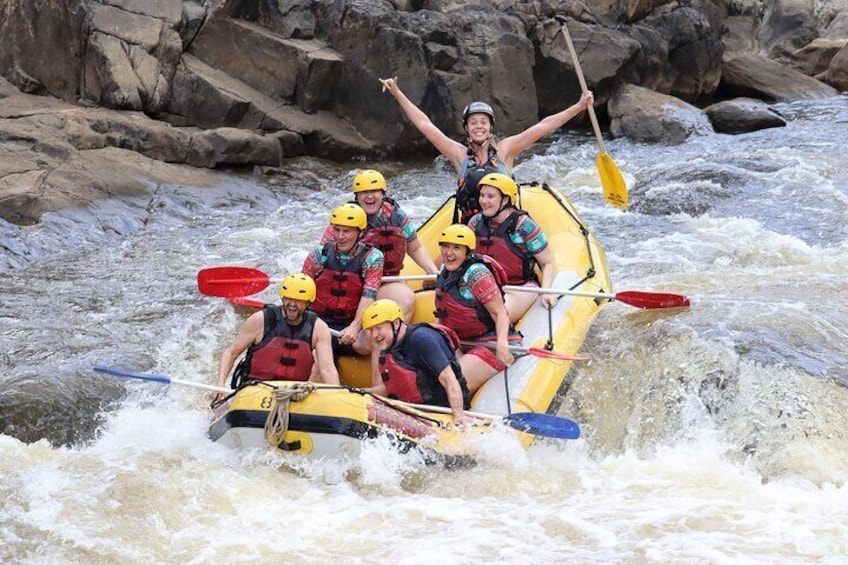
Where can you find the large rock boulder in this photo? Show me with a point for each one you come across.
(54, 154)
(758, 77)
(41, 45)
(743, 115)
(604, 54)
(645, 116)
(837, 71)
(787, 26)
(692, 40)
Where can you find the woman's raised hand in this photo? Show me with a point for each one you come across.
(389, 84)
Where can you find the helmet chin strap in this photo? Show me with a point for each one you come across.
(503, 206)
(395, 332)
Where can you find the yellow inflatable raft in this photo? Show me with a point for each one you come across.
(322, 420)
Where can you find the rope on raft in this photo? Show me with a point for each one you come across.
(277, 422)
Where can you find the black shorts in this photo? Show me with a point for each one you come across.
(339, 349)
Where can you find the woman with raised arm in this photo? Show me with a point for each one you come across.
(481, 154)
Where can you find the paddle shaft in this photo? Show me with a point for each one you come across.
(162, 379)
(636, 298)
(445, 410)
(398, 278)
(583, 87)
(543, 290)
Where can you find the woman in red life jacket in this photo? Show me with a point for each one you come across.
(283, 342)
(469, 300)
(417, 362)
(390, 230)
(480, 154)
(514, 240)
(348, 274)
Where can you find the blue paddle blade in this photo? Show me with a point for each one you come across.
(128, 375)
(546, 425)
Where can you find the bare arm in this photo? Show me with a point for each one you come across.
(321, 343)
(453, 150)
(497, 310)
(510, 147)
(351, 332)
(448, 380)
(419, 254)
(250, 332)
(546, 264)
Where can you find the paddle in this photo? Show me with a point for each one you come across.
(162, 379)
(615, 189)
(637, 298)
(545, 425)
(530, 422)
(231, 282)
(534, 351)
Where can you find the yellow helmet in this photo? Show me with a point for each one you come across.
(350, 215)
(459, 234)
(503, 183)
(298, 286)
(379, 311)
(369, 180)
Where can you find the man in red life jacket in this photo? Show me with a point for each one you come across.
(417, 362)
(390, 230)
(513, 239)
(469, 300)
(283, 342)
(348, 274)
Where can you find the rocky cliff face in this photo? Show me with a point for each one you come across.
(243, 82)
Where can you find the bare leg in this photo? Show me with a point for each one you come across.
(476, 371)
(517, 304)
(402, 294)
(362, 345)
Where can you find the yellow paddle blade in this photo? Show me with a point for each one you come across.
(615, 188)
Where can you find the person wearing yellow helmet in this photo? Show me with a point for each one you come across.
(282, 342)
(390, 230)
(514, 240)
(348, 274)
(480, 154)
(418, 362)
(469, 300)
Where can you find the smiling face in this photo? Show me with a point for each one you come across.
(382, 335)
(370, 200)
(345, 237)
(478, 128)
(453, 255)
(491, 200)
(293, 310)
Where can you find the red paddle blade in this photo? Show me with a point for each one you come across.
(247, 302)
(546, 354)
(229, 282)
(649, 300)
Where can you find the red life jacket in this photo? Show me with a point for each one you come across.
(519, 265)
(466, 316)
(339, 288)
(285, 352)
(413, 384)
(386, 234)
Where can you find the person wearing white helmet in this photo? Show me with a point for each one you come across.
(480, 154)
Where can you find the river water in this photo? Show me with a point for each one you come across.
(711, 435)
